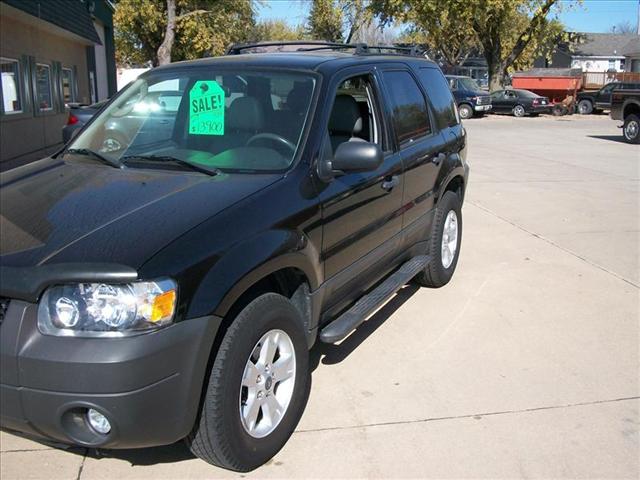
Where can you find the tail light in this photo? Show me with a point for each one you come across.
(536, 101)
(72, 120)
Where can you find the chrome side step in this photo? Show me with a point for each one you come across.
(352, 318)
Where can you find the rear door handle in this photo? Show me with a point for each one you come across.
(389, 183)
(439, 158)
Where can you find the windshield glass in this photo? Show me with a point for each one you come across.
(232, 121)
(466, 83)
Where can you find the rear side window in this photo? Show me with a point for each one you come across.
(440, 95)
(410, 116)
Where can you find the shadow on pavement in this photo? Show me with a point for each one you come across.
(176, 452)
(331, 354)
(612, 138)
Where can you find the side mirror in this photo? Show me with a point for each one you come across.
(351, 157)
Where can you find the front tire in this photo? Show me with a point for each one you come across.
(631, 128)
(585, 107)
(257, 389)
(445, 242)
(465, 111)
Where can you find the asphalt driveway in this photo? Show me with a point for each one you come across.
(526, 365)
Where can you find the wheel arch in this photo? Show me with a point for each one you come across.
(631, 108)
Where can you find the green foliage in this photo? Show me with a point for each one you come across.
(510, 33)
(325, 21)
(202, 27)
(276, 30)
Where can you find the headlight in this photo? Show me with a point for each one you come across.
(104, 310)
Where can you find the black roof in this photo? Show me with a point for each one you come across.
(70, 15)
(297, 60)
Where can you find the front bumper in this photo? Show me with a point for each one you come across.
(482, 108)
(148, 386)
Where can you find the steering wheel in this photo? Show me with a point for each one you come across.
(272, 136)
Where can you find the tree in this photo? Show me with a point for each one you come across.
(276, 30)
(444, 26)
(325, 21)
(160, 31)
(338, 20)
(624, 28)
(510, 33)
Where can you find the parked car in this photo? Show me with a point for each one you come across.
(171, 288)
(519, 102)
(625, 106)
(591, 101)
(149, 119)
(470, 98)
(78, 116)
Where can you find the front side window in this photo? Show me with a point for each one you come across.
(410, 115)
(11, 93)
(43, 87)
(68, 86)
(353, 115)
(220, 120)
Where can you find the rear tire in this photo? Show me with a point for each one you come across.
(585, 107)
(441, 268)
(519, 111)
(631, 128)
(222, 436)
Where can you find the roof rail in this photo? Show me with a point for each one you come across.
(317, 45)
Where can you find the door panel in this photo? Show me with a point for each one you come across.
(361, 211)
(360, 215)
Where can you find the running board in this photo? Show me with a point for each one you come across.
(352, 318)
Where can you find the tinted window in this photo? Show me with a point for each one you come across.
(440, 95)
(410, 117)
(526, 94)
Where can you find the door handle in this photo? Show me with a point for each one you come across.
(439, 158)
(389, 183)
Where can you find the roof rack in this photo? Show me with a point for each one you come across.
(315, 45)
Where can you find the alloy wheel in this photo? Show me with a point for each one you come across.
(449, 244)
(268, 382)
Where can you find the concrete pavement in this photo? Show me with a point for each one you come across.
(526, 365)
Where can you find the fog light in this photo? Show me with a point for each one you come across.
(98, 421)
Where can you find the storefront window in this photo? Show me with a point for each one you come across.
(11, 95)
(43, 84)
(67, 86)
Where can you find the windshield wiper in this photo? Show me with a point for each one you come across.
(90, 153)
(170, 159)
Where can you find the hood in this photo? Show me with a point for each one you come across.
(53, 211)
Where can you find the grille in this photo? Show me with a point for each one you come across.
(484, 100)
(4, 306)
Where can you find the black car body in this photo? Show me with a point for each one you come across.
(625, 106)
(591, 101)
(470, 98)
(519, 102)
(194, 230)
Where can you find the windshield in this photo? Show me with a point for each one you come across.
(466, 83)
(231, 121)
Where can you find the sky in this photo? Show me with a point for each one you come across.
(592, 16)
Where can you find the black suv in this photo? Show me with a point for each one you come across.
(170, 286)
(470, 98)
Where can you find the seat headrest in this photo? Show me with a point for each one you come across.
(298, 98)
(245, 113)
(345, 116)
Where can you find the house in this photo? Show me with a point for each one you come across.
(631, 54)
(52, 53)
(592, 52)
